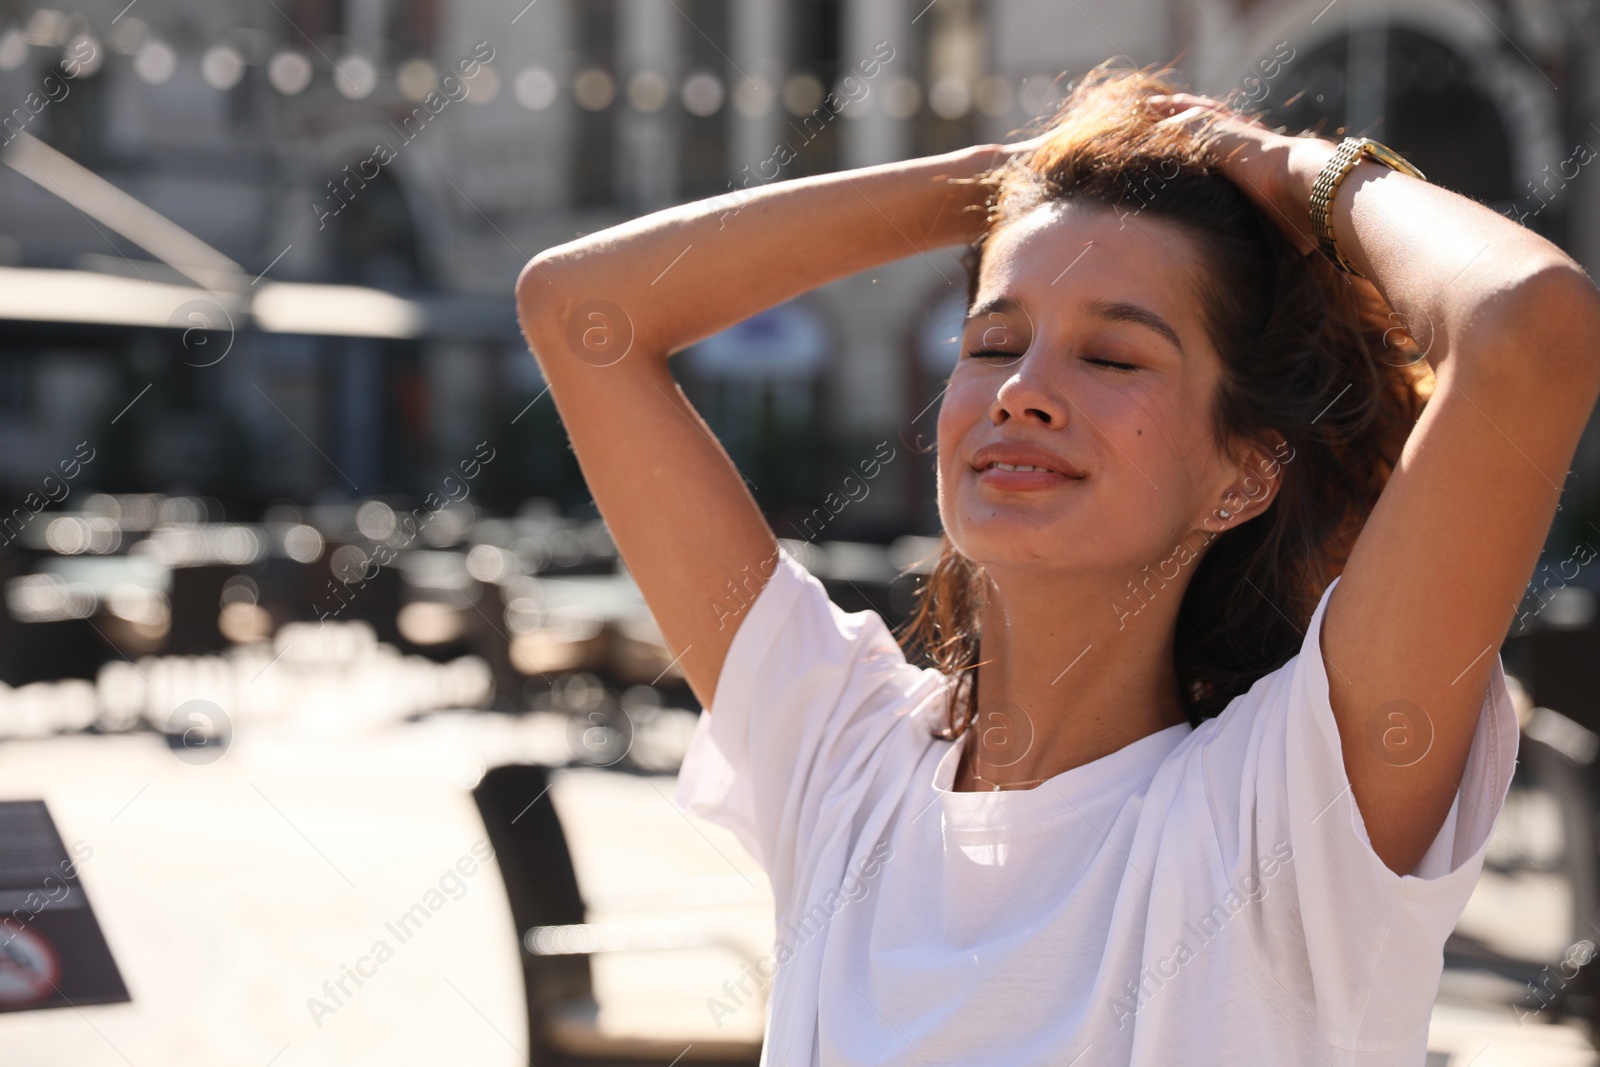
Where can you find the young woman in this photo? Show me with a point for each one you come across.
(1217, 734)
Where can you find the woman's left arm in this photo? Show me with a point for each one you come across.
(1511, 326)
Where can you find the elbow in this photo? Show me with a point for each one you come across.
(1544, 326)
(564, 320)
(1561, 283)
(1563, 305)
(539, 303)
(535, 284)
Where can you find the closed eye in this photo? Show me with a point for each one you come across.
(1113, 364)
(990, 353)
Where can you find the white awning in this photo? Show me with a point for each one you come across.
(79, 296)
(337, 310)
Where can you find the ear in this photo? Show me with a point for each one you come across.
(1256, 475)
(1259, 474)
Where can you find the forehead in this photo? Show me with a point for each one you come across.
(1066, 250)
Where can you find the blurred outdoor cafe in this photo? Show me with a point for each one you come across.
(268, 747)
(282, 770)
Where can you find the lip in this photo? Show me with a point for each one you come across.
(1054, 470)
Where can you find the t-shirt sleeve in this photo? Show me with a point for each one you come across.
(807, 701)
(1365, 943)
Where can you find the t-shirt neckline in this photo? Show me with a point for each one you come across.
(1065, 792)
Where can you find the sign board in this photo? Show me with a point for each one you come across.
(52, 952)
(787, 341)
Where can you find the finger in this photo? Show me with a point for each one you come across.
(1198, 98)
(1180, 100)
(1187, 115)
(1226, 112)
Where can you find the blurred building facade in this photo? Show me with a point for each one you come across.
(420, 151)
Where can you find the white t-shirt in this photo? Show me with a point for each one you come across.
(1201, 896)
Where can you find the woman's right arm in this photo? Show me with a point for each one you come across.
(603, 313)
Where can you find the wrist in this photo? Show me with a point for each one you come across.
(976, 159)
(1290, 194)
(1310, 155)
(963, 192)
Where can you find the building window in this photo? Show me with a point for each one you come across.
(414, 26)
(74, 124)
(371, 237)
(810, 127)
(761, 385)
(947, 60)
(594, 93)
(17, 388)
(316, 19)
(703, 96)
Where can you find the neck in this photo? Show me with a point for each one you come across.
(1074, 667)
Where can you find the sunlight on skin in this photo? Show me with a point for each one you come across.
(1142, 436)
(1121, 403)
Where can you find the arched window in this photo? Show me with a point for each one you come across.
(371, 238)
(1406, 88)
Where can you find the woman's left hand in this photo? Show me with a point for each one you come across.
(1275, 170)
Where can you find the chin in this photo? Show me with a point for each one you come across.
(1024, 536)
(1008, 536)
(1020, 553)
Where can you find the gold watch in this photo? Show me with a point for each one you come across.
(1345, 157)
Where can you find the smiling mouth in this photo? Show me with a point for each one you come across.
(1017, 467)
(1025, 468)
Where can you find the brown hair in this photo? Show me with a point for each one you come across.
(1312, 360)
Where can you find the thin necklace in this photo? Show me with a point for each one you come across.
(991, 781)
(997, 785)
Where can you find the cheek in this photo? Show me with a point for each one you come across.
(962, 405)
(947, 446)
(962, 408)
(1156, 447)
(1163, 430)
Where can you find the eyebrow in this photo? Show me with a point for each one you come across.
(1109, 310)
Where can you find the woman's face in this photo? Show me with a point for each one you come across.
(1085, 358)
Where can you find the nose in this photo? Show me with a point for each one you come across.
(1027, 394)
